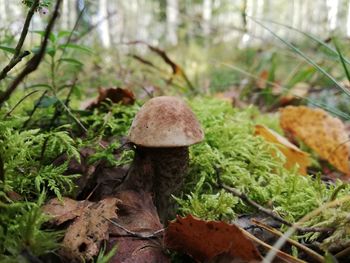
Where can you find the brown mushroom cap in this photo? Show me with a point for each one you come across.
(165, 122)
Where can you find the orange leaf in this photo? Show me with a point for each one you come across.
(263, 78)
(204, 240)
(293, 154)
(323, 133)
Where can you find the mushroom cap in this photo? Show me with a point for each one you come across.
(165, 122)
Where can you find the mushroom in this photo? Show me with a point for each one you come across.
(162, 131)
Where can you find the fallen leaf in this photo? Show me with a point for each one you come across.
(325, 134)
(293, 154)
(89, 228)
(263, 79)
(115, 95)
(136, 213)
(299, 90)
(205, 240)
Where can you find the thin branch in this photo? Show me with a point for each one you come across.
(18, 56)
(34, 62)
(34, 109)
(92, 27)
(58, 110)
(269, 212)
(138, 235)
(19, 102)
(317, 257)
(72, 31)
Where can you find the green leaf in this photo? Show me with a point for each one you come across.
(35, 50)
(47, 101)
(75, 46)
(342, 59)
(40, 85)
(65, 33)
(329, 258)
(303, 75)
(72, 61)
(52, 36)
(51, 51)
(8, 49)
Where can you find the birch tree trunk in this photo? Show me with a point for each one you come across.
(207, 12)
(172, 15)
(104, 26)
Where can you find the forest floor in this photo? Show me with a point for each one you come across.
(153, 160)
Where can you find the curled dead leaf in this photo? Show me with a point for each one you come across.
(115, 95)
(293, 154)
(325, 134)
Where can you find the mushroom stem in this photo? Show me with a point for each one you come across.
(160, 171)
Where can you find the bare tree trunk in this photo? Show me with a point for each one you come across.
(172, 16)
(332, 14)
(348, 21)
(207, 13)
(3, 12)
(104, 26)
(65, 15)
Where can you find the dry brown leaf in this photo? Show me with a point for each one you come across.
(205, 240)
(325, 134)
(115, 95)
(83, 237)
(293, 154)
(137, 213)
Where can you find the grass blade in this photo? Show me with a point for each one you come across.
(314, 38)
(304, 56)
(342, 60)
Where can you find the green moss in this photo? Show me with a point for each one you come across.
(244, 161)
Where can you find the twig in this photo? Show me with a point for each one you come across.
(72, 31)
(18, 56)
(266, 211)
(343, 253)
(92, 27)
(34, 62)
(57, 109)
(34, 109)
(284, 257)
(19, 102)
(274, 231)
(138, 235)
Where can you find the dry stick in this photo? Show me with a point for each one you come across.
(284, 257)
(274, 231)
(138, 235)
(343, 253)
(280, 242)
(34, 62)
(18, 56)
(268, 212)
